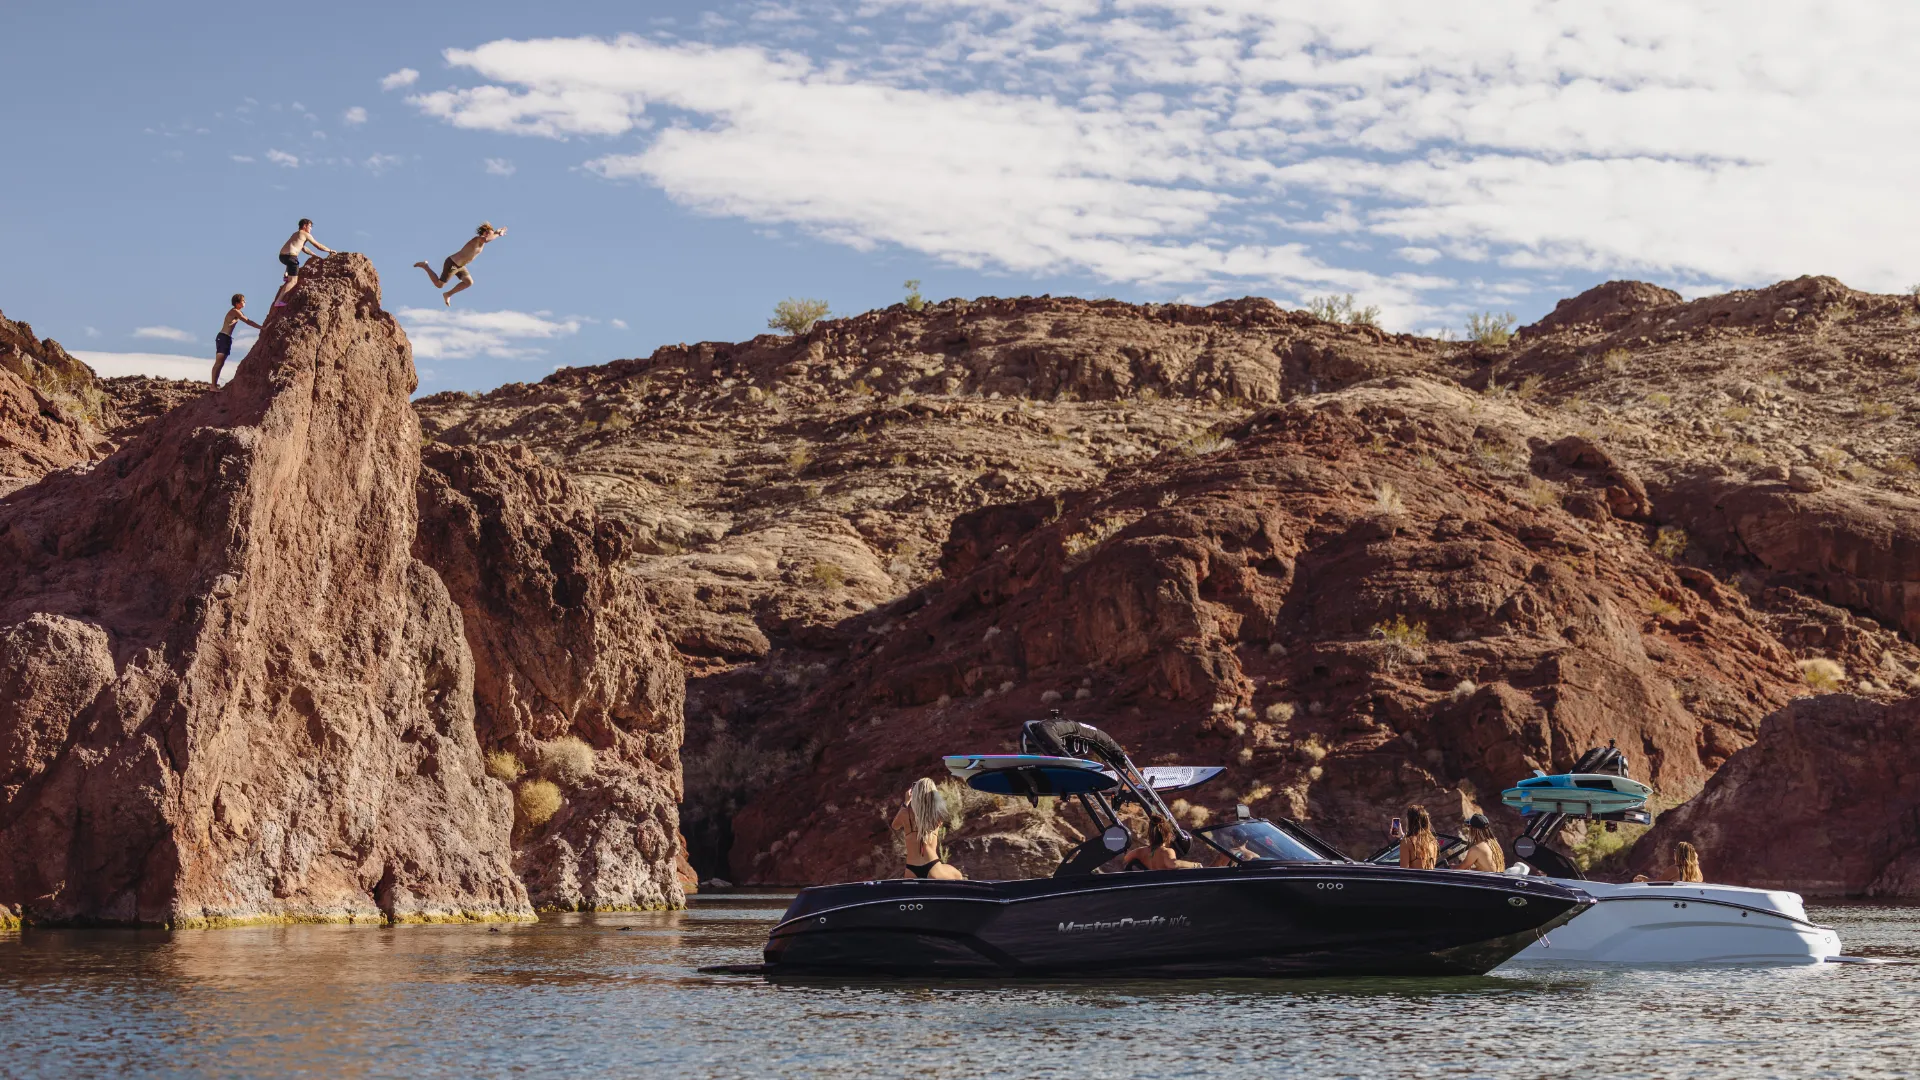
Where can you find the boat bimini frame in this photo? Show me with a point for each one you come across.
(1069, 738)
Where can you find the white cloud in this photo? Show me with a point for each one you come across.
(440, 333)
(163, 333)
(403, 77)
(283, 159)
(618, 324)
(112, 365)
(379, 163)
(92, 332)
(353, 116)
(499, 167)
(241, 158)
(1237, 141)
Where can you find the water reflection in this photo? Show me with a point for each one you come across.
(618, 994)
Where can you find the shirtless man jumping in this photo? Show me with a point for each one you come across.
(223, 341)
(456, 264)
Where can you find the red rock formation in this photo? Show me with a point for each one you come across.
(227, 690)
(1826, 802)
(1368, 599)
(563, 646)
(50, 408)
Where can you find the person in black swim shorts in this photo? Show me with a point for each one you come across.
(223, 341)
(456, 264)
(290, 253)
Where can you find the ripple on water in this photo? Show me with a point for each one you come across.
(618, 994)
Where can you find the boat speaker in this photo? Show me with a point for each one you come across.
(1115, 839)
(1523, 847)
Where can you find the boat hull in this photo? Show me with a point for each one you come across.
(1266, 920)
(1663, 923)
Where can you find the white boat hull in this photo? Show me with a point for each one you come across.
(1672, 923)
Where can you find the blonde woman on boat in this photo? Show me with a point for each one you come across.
(1483, 848)
(1686, 863)
(1420, 850)
(920, 822)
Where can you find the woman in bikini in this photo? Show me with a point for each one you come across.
(1421, 849)
(1159, 853)
(920, 820)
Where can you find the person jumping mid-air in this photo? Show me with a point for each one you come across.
(223, 341)
(456, 264)
(290, 253)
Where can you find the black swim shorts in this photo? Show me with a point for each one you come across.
(291, 262)
(450, 268)
(222, 344)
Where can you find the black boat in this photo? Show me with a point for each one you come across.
(1278, 900)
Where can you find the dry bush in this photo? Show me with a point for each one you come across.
(567, 760)
(829, 575)
(536, 802)
(1738, 414)
(1662, 608)
(1543, 495)
(1670, 542)
(1528, 389)
(797, 316)
(799, 458)
(1488, 328)
(1341, 309)
(1822, 675)
(1387, 500)
(1280, 712)
(1659, 400)
(1616, 360)
(1206, 442)
(502, 765)
(1405, 641)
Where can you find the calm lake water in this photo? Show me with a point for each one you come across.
(617, 995)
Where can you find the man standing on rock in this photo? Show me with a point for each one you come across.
(223, 341)
(290, 253)
(456, 264)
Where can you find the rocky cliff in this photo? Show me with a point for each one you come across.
(230, 691)
(1826, 802)
(563, 649)
(1644, 519)
(52, 411)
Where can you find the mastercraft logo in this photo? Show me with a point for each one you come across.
(1154, 922)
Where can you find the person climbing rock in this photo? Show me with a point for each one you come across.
(290, 253)
(223, 341)
(456, 264)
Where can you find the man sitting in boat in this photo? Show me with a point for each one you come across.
(1483, 848)
(920, 821)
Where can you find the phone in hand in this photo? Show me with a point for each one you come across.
(1396, 830)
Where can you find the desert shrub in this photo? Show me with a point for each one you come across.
(536, 802)
(1600, 847)
(1670, 542)
(1542, 494)
(1738, 414)
(1661, 608)
(1488, 328)
(914, 300)
(1879, 410)
(1404, 641)
(860, 388)
(797, 316)
(1528, 389)
(502, 765)
(799, 458)
(1280, 712)
(1822, 675)
(1206, 442)
(1659, 400)
(829, 575)
(1914, 291)
(1341, 309)
(1387, 500)
(567, 760)
(1463, 690)
(1616, 360)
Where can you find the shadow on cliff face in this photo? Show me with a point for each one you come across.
(230, 691)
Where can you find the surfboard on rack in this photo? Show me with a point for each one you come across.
(1582, 794)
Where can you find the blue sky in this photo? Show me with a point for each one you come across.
(670, 171)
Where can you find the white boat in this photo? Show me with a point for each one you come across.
(1670, 922)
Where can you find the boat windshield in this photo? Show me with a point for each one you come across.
(1254, 841)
